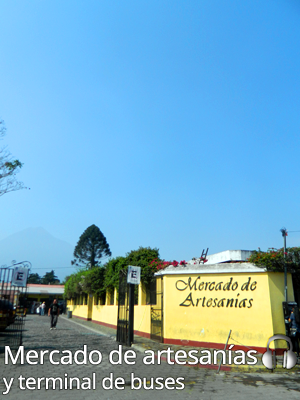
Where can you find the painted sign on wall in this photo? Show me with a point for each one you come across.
(211, 294)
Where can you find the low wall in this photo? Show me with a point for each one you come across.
(201, 309)
(107, 315)
(201, 306)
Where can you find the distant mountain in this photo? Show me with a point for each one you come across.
(44, 251)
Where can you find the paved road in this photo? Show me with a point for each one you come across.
(199, 383)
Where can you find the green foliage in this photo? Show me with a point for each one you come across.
(112, 270)
(97, 280)
(273, 260)
(12, 165)
(142, 258)
(65, 279)
(8, 168)
(50, 278)
(34, 278)
(91, 247)
(75, 284)
(70, 290)
(139, 258)
(85, 282)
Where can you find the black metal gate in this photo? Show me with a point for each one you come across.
(157, 312)
(123, 309)
(13, 304)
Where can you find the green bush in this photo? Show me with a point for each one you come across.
(97, 280)
(273, 260)
(83, 282)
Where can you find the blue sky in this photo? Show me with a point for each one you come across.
(170, 124)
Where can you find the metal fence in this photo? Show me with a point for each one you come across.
(13, 285)
(123, 309)
(156, 297)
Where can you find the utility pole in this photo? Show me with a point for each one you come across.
(284, 235)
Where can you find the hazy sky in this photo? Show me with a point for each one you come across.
(170, 124)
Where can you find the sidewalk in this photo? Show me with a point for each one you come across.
(48, 368)
(141, 344)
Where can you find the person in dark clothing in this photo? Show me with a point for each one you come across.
(294, 332)
(53, 312)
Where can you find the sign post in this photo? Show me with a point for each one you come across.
(133, 278)
(19, 277)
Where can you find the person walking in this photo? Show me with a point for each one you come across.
(42, 307)
(53, 312)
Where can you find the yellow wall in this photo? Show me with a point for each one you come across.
(108, 314)
(204, 308)
(276, 288)
(251, 318)
(142, 318)
(78, 311)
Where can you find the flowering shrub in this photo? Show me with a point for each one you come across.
(162, 264)
(273, 260)
(157, 264)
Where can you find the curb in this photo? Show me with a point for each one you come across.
(233, 368)
(262, 368)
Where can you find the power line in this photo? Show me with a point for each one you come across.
(60, 267)
(55, 268)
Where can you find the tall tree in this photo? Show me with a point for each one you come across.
(91, 247)
(34, 278)
(50, 278)
(8, 168)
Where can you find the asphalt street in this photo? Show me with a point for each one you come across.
(29, 383)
